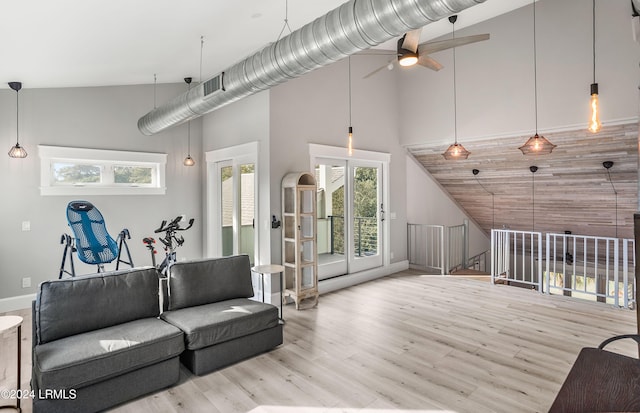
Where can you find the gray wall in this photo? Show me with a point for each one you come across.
(315, 109)
(98, 117)
(428, 203)
(495, 78)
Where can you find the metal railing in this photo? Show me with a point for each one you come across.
(516, 258)
(591, 267)
(480, 262)
(581, 266)
(457, 247)
(425, 245)
(365, 235)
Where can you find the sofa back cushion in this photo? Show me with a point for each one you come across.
(76, 305)
(208, 281)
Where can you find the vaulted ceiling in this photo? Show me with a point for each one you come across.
(571, 190)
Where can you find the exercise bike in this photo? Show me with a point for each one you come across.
(171, 241)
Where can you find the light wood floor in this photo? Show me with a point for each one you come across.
(404, 343)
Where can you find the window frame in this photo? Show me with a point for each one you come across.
(107, 160)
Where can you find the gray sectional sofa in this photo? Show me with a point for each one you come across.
(101, 340)
(209, 301)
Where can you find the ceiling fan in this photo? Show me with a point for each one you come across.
(409, 52)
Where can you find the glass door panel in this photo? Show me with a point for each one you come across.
(331, 181)
(226, 208)
(365, 207)
(247, 210)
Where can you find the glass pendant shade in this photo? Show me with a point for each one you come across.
(537, 145)
(350, 142)
(17, 151)
(455, 152)
(189, 161)
(594, 122)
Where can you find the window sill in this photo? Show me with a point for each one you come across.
(87, 190)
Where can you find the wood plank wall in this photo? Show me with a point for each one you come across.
(572, 189)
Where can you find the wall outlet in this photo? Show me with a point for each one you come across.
(26, 282)
(392, 254)
(26, 225)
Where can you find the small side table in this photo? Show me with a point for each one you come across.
(271, 269)
(8, 322)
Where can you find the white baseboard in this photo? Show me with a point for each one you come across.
(24, 301)
(16, 303)
(337, 283)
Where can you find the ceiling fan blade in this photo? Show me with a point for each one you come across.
(411, 40)
(428, 62)
(432, 47)
(377, 52)
(386, 65)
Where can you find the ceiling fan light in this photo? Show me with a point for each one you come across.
(455, 152)
(408, 59)
(537, 145)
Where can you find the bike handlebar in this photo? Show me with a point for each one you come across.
(174, 225)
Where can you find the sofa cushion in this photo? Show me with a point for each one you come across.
(194, 283)
(83, 359)
(215, 323)
(80, 304)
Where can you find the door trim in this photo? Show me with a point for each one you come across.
(239, 154)
(317, 151)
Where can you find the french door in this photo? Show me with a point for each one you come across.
(232, 203)
(350, 214)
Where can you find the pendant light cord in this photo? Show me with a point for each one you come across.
(350, 91)
(493, 202)
(155, 83)
(616, 194)
(535, 66)
(201, 47)
(455, 94)
(533, 201)
(594, 41)
(189, 128)
(17, 119)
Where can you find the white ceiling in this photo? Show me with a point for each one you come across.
(71, 43)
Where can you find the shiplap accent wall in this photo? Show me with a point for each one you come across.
(572, 189)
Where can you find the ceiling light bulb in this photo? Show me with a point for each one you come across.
(350, 143)
(594, 123)
(409, 59)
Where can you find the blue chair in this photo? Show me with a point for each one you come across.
(93, 244)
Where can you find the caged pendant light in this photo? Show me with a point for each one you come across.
(455, 151)
(537, 144)
(17, 151)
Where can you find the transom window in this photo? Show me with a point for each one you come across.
(80, 171)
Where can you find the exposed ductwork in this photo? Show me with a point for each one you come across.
(350, 28)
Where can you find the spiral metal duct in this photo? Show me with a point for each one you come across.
(350, 28)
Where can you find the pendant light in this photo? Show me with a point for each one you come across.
(537, 144)
(455, 151)
(188, 161)
(594, 120)
(350, 130)
(17, 151)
